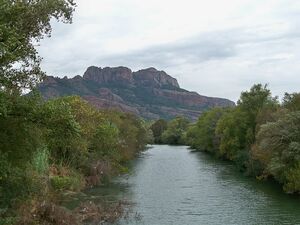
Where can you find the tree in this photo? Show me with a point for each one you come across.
(233, 130)
(105, 141)
(292, 101)
(254, 101)
(279, 150)
(176, 131)
(158, 127)
(23, 24)
(204, 131)
(133, 134)
(20, 134)
(62, 132)
(237, 128)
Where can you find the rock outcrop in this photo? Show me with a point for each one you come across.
(149, 93)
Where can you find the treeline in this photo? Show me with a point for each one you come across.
(171, 132)
(261, 135)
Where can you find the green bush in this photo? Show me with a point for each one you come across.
(8, 220)
(202, 136)
(72, 182)
(40, 160)
(175, 133)
(293, 180)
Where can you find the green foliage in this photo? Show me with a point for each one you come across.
(280, 140)
(292, 101)
(175, 133)
(292, 176)
(19, 132)
(202, 135)
(229, 133)
(22, 25)
(72, 182)
(22, 125)
(133, 133)
(63, 132)
(36, 137)
(15, 183)
(8, 220)
(237, 128)
(40, 161)
(235, 135)
(105, 140)
(158, 127)
(258, 135)
(58, 140)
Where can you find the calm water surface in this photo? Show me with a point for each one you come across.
(174, 186)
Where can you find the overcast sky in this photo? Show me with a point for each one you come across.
(215, 47)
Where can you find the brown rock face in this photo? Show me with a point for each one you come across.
(118, 75)
(153, 78)
(150, 93)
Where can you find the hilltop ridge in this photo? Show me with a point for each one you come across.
(149, 93)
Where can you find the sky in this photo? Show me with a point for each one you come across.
(217, 48)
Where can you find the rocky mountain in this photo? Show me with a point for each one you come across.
(149, 93)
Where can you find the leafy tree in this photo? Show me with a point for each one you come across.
(158, 127)
(176, 131)
(237, 128)
(279, 150)
(254, 101)
(234, 131)
(85, 114)
(22, 25)
(258, 134)
(133, 134)
(19, 130)
(292, 101)
(204, 132)
(63, 132)
(105, 141)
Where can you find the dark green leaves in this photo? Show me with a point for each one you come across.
(22, 25)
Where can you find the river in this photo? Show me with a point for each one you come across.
(171, 185)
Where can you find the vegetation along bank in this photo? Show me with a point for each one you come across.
(48, 148)
(261, 135)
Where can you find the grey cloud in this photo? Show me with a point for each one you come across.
(219, 45)
(195, 50)
(218, 63)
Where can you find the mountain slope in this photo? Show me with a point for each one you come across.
(149, 93)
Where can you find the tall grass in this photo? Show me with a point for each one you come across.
(40, 160)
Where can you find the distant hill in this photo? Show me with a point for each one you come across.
(149, 93)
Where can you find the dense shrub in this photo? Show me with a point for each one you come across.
(158, 127)
(202, 135)
(61, 141)
(280, 141)
(175, 134)
(259, 135)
